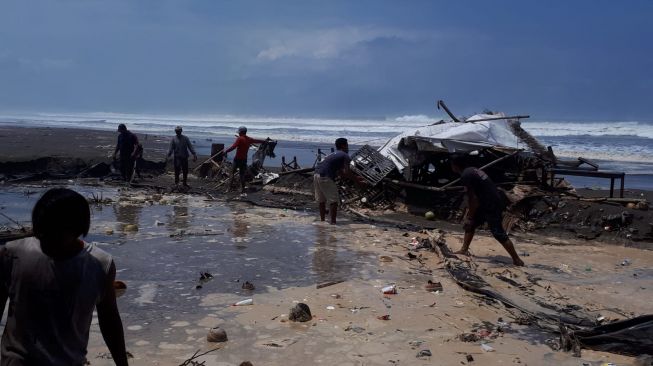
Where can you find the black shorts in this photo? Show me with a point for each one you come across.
(240, 164)
(494, 219)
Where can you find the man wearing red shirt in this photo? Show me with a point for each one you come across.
(241, 145)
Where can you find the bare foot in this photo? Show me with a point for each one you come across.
(518, 262)
(462, 252)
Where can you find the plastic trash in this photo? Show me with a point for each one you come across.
(244, 302)
(626, 262)
(389, 290)
(331, 307)
(487, 348)
(564, 268)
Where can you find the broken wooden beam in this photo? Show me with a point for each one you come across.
(494, 162)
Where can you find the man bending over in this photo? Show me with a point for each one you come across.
(485, 204)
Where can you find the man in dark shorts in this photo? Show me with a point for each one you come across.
(128, 147)
(485, 204)
(326, 190)
(180, 145)
(54, 281)
(241, 145)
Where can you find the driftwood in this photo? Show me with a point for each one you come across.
(191, 361)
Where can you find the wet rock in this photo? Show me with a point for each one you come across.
(248, 286)
(300, 313)
(469, 358)
(246, 363)
(216, 334)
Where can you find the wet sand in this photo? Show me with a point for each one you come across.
(285, 254)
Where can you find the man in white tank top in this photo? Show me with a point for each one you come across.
(54, 281)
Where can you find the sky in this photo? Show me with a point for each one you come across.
(555, 60)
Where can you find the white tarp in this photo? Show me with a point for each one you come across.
(455, 136)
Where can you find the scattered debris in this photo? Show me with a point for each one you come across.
(327, 284)
(132, 228)
(355, 329)
(424, 353)
(433, 286)
(191, 360)
(248, 286)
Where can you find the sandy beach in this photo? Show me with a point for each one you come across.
(163, 242)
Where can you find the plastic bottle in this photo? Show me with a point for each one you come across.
(244, 302)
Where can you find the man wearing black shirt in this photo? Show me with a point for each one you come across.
(485, 204)
(128, 147)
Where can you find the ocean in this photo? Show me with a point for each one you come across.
(620, 145)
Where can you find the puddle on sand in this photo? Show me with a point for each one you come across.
(179, 237)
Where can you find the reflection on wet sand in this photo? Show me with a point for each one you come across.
(127, 214)
(325, 257)
(179, 218)
(239, 229)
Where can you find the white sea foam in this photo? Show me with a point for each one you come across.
(638, 129)
(617, 141)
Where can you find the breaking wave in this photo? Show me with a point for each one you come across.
(615, 141)
(637, 129)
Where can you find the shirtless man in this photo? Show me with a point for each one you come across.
(485, 204)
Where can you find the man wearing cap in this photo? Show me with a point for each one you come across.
(128, 147)
(180, 145)
(241, 145)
